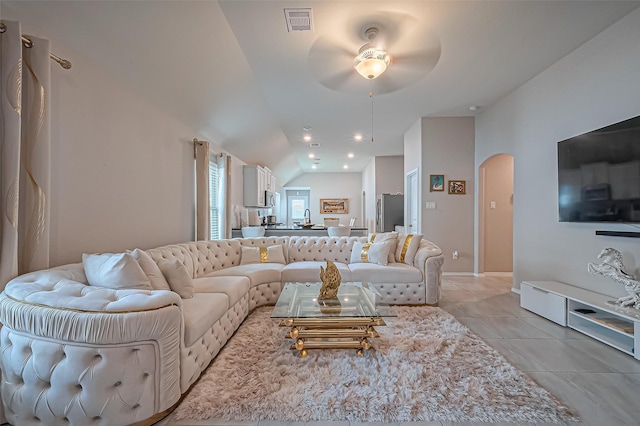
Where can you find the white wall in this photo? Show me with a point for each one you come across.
(122, 170)
(369, 188)
(332, 185)
(594, 86)
(389, 174)
(448, 149)
(413, 148)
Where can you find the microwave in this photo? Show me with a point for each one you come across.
(269, 199)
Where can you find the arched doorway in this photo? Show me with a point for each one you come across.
(495, 215)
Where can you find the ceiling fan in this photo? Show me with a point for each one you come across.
(396, 53)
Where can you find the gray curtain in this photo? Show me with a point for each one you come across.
(24, 153)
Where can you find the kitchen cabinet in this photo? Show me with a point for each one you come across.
(257, 180)
(272, 184)
(254, 185)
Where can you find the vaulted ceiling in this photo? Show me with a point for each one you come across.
(232, 71)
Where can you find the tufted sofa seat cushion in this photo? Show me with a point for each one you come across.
(200, 313)
(375, 273)
(234, 287)
(258, 273)
(309, 271)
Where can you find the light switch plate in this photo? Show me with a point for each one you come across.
(430, 205)
(492, 205)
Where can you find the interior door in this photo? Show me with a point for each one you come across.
(412, 203)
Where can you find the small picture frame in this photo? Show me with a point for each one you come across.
(457, 187)
(436, 183)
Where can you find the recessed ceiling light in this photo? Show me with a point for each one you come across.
(311, 155)
(350, 155)
(358, 137)
(346, 166)
(307, 138)
(313, 166)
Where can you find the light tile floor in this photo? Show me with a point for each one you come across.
(600, 383)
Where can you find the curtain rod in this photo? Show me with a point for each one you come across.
(28, 43)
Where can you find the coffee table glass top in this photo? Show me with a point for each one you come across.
(300, 300)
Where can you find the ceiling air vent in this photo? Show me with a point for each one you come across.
(299, 19)
(314, 144)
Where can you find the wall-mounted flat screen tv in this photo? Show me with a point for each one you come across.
(599, 175)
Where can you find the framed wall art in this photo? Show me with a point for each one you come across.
(457, 187)
(334, 205)
(436, 183)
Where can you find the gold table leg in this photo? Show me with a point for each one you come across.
(331, 333)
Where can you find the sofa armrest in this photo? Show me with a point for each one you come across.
(429, 260)
(117, 360)
(52, 289)
(66, 365)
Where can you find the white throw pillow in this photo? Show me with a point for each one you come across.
(178, 277)
(114, 270)
(370, 253)
(151, 270)
(382, 237)
(271, 254)
(407, 247)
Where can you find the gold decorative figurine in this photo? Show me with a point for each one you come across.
(330, 278)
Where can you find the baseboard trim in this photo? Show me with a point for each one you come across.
(515, 290)
(498, 274)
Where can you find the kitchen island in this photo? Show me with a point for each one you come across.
(284, 231)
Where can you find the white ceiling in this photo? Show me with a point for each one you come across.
(232, 71)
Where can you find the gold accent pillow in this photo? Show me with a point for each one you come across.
(271, 254)
(407, 247)
(370, 253)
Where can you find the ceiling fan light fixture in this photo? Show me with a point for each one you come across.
(371, 62)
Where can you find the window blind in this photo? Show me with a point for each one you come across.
(214, 200)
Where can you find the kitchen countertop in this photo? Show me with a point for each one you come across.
(281, 231)
(296, 228)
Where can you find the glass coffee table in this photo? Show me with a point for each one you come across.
(347, 322)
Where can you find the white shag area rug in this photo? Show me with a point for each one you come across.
(425, 366)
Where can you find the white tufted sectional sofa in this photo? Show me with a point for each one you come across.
(77, 354)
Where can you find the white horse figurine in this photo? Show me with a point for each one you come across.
(613, 268)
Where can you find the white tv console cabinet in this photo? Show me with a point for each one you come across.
(562, 303)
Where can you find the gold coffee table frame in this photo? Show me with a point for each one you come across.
(347, 322)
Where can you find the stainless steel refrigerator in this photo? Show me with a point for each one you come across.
(389, 212)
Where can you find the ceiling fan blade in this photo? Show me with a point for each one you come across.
(331, 63)
(325, 48)
(346, 81)
(420, 61)
(406, 70)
